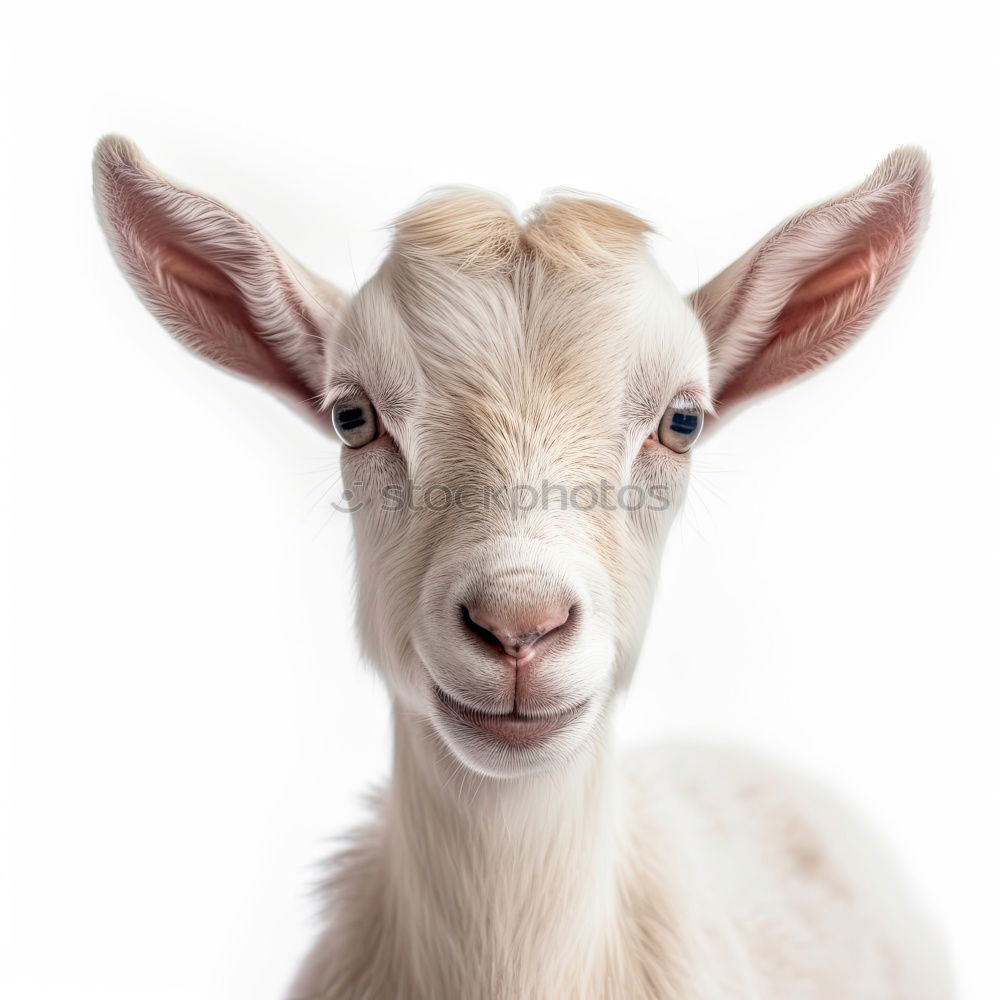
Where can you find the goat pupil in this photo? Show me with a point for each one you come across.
(351, 418)
(684, 423)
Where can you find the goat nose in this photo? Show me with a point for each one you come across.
(516, 633)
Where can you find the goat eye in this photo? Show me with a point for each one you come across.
(680, 426)
(355, 422)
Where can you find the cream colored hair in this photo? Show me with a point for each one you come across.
(501, 352)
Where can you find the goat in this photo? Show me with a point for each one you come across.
(518, 403)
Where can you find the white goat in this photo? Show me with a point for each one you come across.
(532, 391)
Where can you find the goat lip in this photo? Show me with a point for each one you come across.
(513, 727)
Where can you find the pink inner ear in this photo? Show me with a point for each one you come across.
(823, 314)
(218, 285)
(195, 282)
(193, 271)
(831, 281)
(804, 293)
(844, 291)
(188, 287)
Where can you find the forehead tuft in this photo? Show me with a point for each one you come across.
(584, 233)
(479, 232)
(473, 230)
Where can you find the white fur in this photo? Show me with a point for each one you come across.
(502, 354)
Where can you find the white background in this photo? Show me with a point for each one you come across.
(190, 721)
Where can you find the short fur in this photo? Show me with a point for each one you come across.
(535, 357)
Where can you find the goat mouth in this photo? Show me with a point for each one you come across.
(513, 728)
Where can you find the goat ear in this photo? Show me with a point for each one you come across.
(213, 280)
(802, 294)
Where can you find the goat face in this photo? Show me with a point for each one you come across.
(518, 403)
(511, 490)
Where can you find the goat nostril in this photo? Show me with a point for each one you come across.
(515, 634)
(484, 633)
